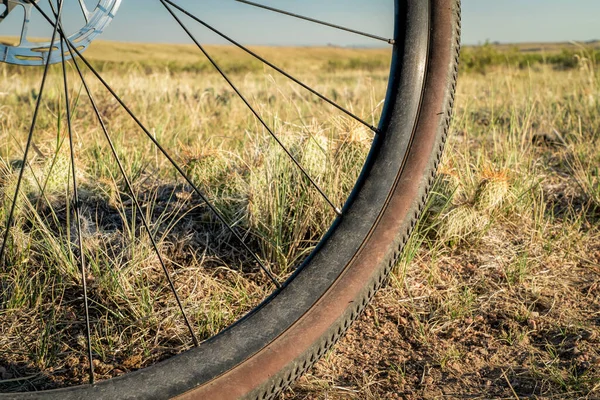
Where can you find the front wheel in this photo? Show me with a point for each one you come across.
(268, 349)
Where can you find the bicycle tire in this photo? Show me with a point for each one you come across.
(267, 350)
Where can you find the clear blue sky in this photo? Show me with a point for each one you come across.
(501, 20)
(496, 20)
(531, 20)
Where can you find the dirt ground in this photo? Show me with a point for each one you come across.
(471, 333)
(398, 350)
(510, 309)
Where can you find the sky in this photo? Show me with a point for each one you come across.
(506, 21)
(513, 21)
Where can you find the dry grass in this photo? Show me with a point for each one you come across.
(498, 293)
(194, 114)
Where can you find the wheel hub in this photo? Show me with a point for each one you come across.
(30, 53)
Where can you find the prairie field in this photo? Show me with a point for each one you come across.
(498, 291)
(215, 141)
(498, 294)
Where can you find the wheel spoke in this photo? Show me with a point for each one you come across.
(76, 204)
(211, 206)
(85, 11)
(11, 215)
(253, 110)
(136, 203)
(316, 21)
(275, 67)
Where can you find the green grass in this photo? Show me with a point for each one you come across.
(560, 56)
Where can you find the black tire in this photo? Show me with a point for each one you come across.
(267, 350)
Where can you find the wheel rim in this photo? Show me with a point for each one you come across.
(67, 51)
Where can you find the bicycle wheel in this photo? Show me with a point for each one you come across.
(265, 351)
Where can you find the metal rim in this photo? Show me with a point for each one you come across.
(37, 53)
